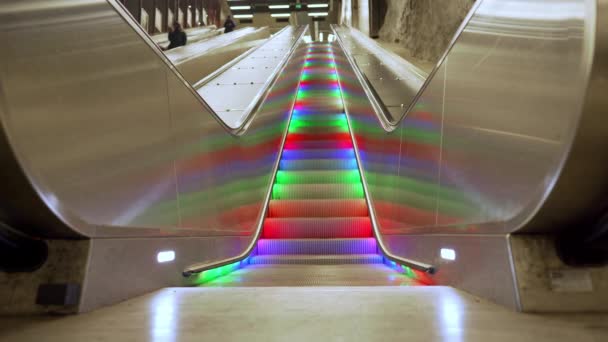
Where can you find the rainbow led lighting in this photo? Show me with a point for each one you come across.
(318, 162)
(215, 273)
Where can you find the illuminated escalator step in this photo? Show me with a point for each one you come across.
(345, 153)
(312, 227)
(317, 191)
(317, 144)
(344, 259)
(318, 177)
(319, 164)
(318, 208)
(317, 136)
(316, 246)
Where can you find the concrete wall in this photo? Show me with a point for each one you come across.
(355, 13)
(546, 284)
(424, 27)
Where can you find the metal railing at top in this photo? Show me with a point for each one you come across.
(258, 100)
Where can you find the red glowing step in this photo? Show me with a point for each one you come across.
(315, 144)
(304, 228)
(318, 208)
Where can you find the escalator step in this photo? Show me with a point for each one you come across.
(311, 119)
(318, 208)
(316, 246)
(319, 164)
(318, 177)
(314, 191)
(316, 259)
(303, 136)
(302, 228)
(317, 144)
(319, 129)
(343, 153)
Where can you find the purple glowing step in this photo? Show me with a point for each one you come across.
(345, 259)
(316, 191)
(318, 208)
(317, 228)
(316, 246)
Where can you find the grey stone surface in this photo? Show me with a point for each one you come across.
(424, 27)
(535, 258)
(66, 264)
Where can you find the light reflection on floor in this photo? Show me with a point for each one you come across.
(330, 313)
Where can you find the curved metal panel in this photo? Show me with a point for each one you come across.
(110, 139)
(488, 146)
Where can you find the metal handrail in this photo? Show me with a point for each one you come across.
(382, 113)
(257, 102)
(201, 267)
(413, 264)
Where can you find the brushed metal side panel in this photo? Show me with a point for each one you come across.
(482, 266)
(83, 111)
(110, 279)
(221, 183)
(113, 141)
(487, 139)
(515, 81)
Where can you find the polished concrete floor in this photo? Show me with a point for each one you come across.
(376, 313)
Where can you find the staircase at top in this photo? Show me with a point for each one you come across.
(318, 213)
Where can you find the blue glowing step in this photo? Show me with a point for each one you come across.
(318, 208)
(320, 118)
(318, 177)
(317, 191)
(344, 259)
(342, 153)
(315, 228)
(316, 246)
(319, 164)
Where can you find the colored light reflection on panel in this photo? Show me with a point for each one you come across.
(215, 273)
(411, 273)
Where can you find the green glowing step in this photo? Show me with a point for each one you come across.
(317, 191)
(318, 177)
(318, 129)
(298, 123)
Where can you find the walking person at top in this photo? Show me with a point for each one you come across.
(229, 25)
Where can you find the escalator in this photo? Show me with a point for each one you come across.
(308, 179)
(318, 229)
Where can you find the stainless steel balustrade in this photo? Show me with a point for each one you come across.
(507, 134)
(246, 76)
(102, 138)
(198, 60)
(390, 81)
